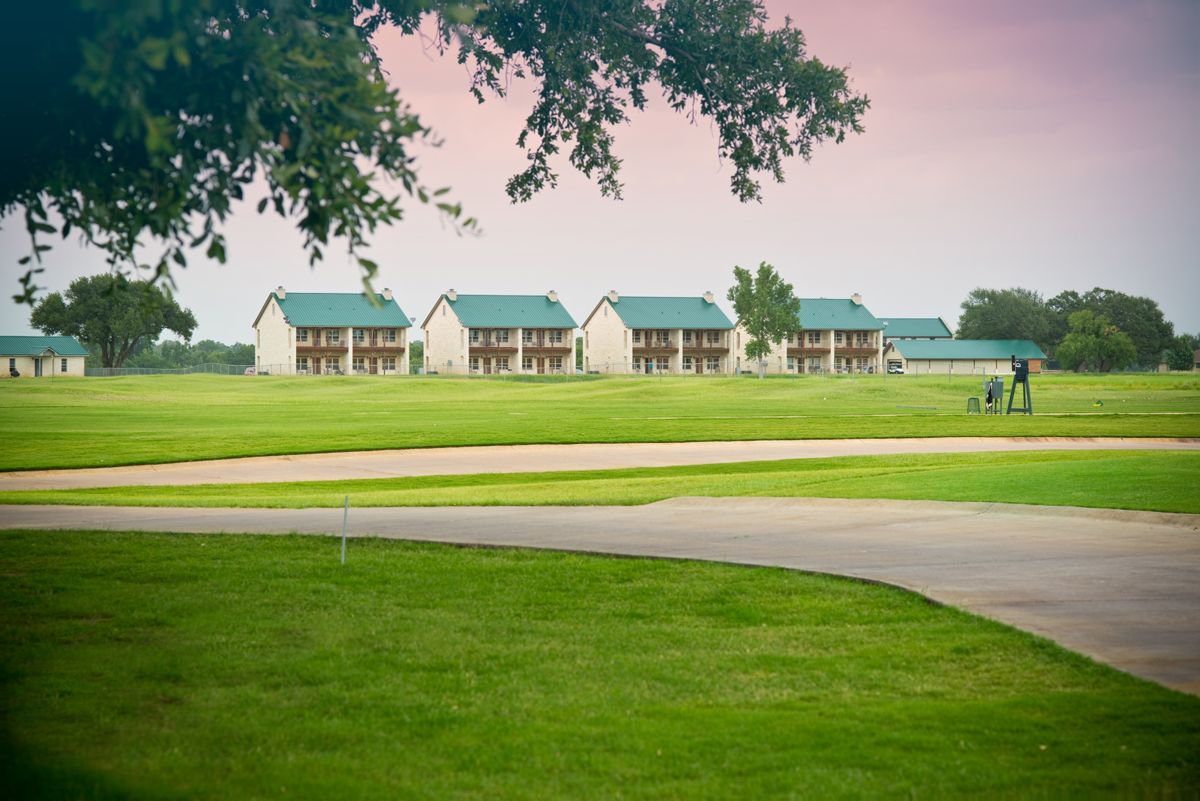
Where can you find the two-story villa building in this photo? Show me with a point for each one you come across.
(657, 334)
(314, 333)
(837, 335)
(488, 334)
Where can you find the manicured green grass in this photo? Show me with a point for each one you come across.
(66, 422)
(182, 666)
(1165, 481)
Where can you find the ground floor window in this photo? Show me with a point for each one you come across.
(64, 365)
(791, 363)
(637, 364)
(301, 364)
(358, 364)
(527, 363)
(713, 364)
(474, 364)
(814, 364)
(555, 363)
(502, 364)
(12, 365)
(863, 363)
(664, 363)
(335, 364)
(389, 363)
(687, 363)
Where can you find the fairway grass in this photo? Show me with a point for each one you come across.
(87, 422)
(238, 666)
(1164, 481)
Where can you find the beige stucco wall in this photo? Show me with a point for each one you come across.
(51, 366)
(607, 343)
(274, 341)
(445, 339)
(776, 359)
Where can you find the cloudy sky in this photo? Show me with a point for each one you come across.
(1048, 144)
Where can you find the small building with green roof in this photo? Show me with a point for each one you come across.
(637, 334)
(489, 334)
(962, 356)
(331, 333)
(42, 356)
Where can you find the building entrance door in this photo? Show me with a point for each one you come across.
(487, 365)
(374, 365)
(37, 366)
(541, 365)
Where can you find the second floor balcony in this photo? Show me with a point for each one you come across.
(656, 344)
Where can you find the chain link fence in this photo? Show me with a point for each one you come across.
(636, 369)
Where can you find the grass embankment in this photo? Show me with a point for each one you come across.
(1164, 481)
(65, 422)
(178, 666)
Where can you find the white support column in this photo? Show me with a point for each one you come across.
(832, 350)
(520, 350)
(349, 365)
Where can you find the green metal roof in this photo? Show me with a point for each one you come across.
(836, 313)
(510, 311)
(642, 312)
(967, 348)
(340, 309)
(908, 327)
(34, 346)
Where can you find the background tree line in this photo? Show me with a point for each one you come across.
(1099, 330)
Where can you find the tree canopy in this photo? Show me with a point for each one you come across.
(1139, 317)
(139, 122)
(765, 306)
(112, 316)
(1093, 340)
(1181, 355)
(1005, 314)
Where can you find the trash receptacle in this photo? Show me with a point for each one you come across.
(972, 405)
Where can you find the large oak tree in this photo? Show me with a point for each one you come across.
(111, 315)
(142, 121)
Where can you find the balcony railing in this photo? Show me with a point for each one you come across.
(656, 344)
(700, 345)
(491, 346)
(544, 345)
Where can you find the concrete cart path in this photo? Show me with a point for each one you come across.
(539, 458)
(1122, 587)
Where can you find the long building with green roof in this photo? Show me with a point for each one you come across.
(971, 356)
(490, 334)
(331, 333)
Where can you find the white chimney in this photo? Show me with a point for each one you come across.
(553, 296)
(281, 293)
(612, 295)
(387, 293)
(452, 295)
(857, 298)
(708, 297)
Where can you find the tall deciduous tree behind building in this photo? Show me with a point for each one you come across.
(1138, 317)
(766, 307)
(111, 316)
(1014, 313)
(141, 121)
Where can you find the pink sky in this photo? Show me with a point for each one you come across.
(1048, 145)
